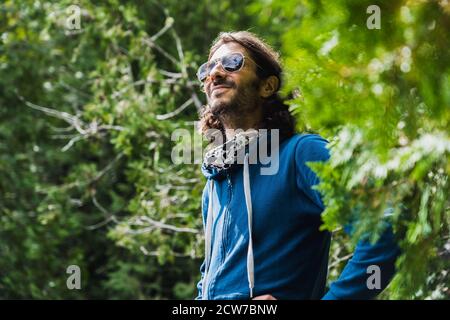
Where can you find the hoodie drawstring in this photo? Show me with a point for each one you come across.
(248, 202)
(208, 232)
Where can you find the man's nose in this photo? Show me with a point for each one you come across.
(217, 72)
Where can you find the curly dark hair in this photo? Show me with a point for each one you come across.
(276, 114)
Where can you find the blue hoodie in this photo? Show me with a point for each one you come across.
(286, 255)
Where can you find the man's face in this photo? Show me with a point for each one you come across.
(231, 92)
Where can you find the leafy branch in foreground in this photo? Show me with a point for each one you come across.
(412, 184)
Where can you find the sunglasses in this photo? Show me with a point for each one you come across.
(232, 62)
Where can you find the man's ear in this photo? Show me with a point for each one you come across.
(269, 86)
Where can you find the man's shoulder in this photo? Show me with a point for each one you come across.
(308, 147)
(306, 141)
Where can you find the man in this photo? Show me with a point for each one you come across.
(262, 238)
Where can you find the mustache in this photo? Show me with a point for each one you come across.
(222, 82)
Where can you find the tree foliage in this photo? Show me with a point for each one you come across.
(86, 171)
(87, 114)
(381, 96)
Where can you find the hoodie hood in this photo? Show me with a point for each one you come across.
(231, 152)
(213, 173)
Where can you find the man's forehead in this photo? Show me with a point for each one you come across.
(227, 48)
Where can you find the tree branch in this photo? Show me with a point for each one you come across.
(339, 260)
(167, 25)
(161, 225)
(167, 55)
(109, 216)
(84, 130)
(166, 116)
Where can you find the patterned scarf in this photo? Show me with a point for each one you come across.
(225, 155)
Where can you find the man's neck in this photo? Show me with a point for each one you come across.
(243, 121)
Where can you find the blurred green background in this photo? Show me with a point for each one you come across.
(87, 111)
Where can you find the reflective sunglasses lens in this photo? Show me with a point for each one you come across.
(202, 72)
(232, 62)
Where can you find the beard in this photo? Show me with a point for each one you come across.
(234, 100)
(225, 105)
